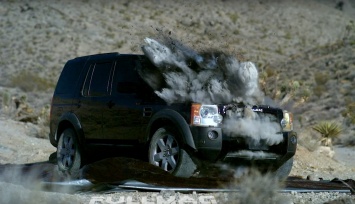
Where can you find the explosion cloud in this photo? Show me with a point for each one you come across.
(184, 75)
(210, 78)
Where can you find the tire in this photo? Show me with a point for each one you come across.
(284, 170)
(68, 153)
(166, 150)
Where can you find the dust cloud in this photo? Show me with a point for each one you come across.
(184, 75)
(26, 183)
(255, 127)
(209, 78)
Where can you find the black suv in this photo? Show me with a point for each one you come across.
(102, 100)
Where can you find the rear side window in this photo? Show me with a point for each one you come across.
(97, 82)
(69, 75)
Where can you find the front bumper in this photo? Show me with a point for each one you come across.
(275, 155)
(228, 149)
(208, 149)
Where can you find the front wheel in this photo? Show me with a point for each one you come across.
(166, 151)
(68, 153)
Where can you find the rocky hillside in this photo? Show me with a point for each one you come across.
(304, 50)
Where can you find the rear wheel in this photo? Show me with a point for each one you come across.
(166, 150)
(68, 153)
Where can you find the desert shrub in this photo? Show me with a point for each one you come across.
(319, 90)
(119, 44)
(233, 17)
(295, 85)
(279, 50)
(288, 36)
(257, 188)
(28, 81)
(25, 113)
(5, 99)
(349, 113)
(43, 122)
(328, 131)
(304, 93)
(321, 78)
(350, 28)
(270, 72)
(290, 87)
(236, 32)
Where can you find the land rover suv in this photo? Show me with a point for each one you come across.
(102, 99)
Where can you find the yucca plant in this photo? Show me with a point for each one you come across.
(328, 130)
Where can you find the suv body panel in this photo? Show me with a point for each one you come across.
(171, 116)
(117, 106)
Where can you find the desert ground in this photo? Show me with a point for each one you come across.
(304, 52)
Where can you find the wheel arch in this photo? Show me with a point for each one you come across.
(69, 120)
(168, 117)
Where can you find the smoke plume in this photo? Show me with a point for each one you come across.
(184, 75)
(256, 127)
(210, 78)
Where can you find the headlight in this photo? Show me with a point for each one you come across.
(205, 115)
(218, 118)
(208, 111)
(287, 122)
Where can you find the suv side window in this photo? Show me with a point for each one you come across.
(128, 81)
(97, 80)
(69, 76)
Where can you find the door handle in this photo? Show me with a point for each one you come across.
(147, 112)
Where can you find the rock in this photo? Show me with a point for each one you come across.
(328, 151)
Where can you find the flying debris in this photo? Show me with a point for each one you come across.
(211, 77)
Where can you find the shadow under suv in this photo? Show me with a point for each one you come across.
(101, 99)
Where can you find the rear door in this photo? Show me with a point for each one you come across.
(94, 95)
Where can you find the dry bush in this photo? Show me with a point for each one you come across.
(319, 90)
(43, 122)
(280, 89)
(321, 78)
(17, 108)
(5, 103)
(349, 113)
(233, 17)
(28, 81)
(304, 93)
(270, 72)
(257, 188)
(350, 28)
(8, 108)
(40, 118)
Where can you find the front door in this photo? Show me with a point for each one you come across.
(123, 116)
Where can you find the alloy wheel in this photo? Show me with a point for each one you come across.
(166, 153)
